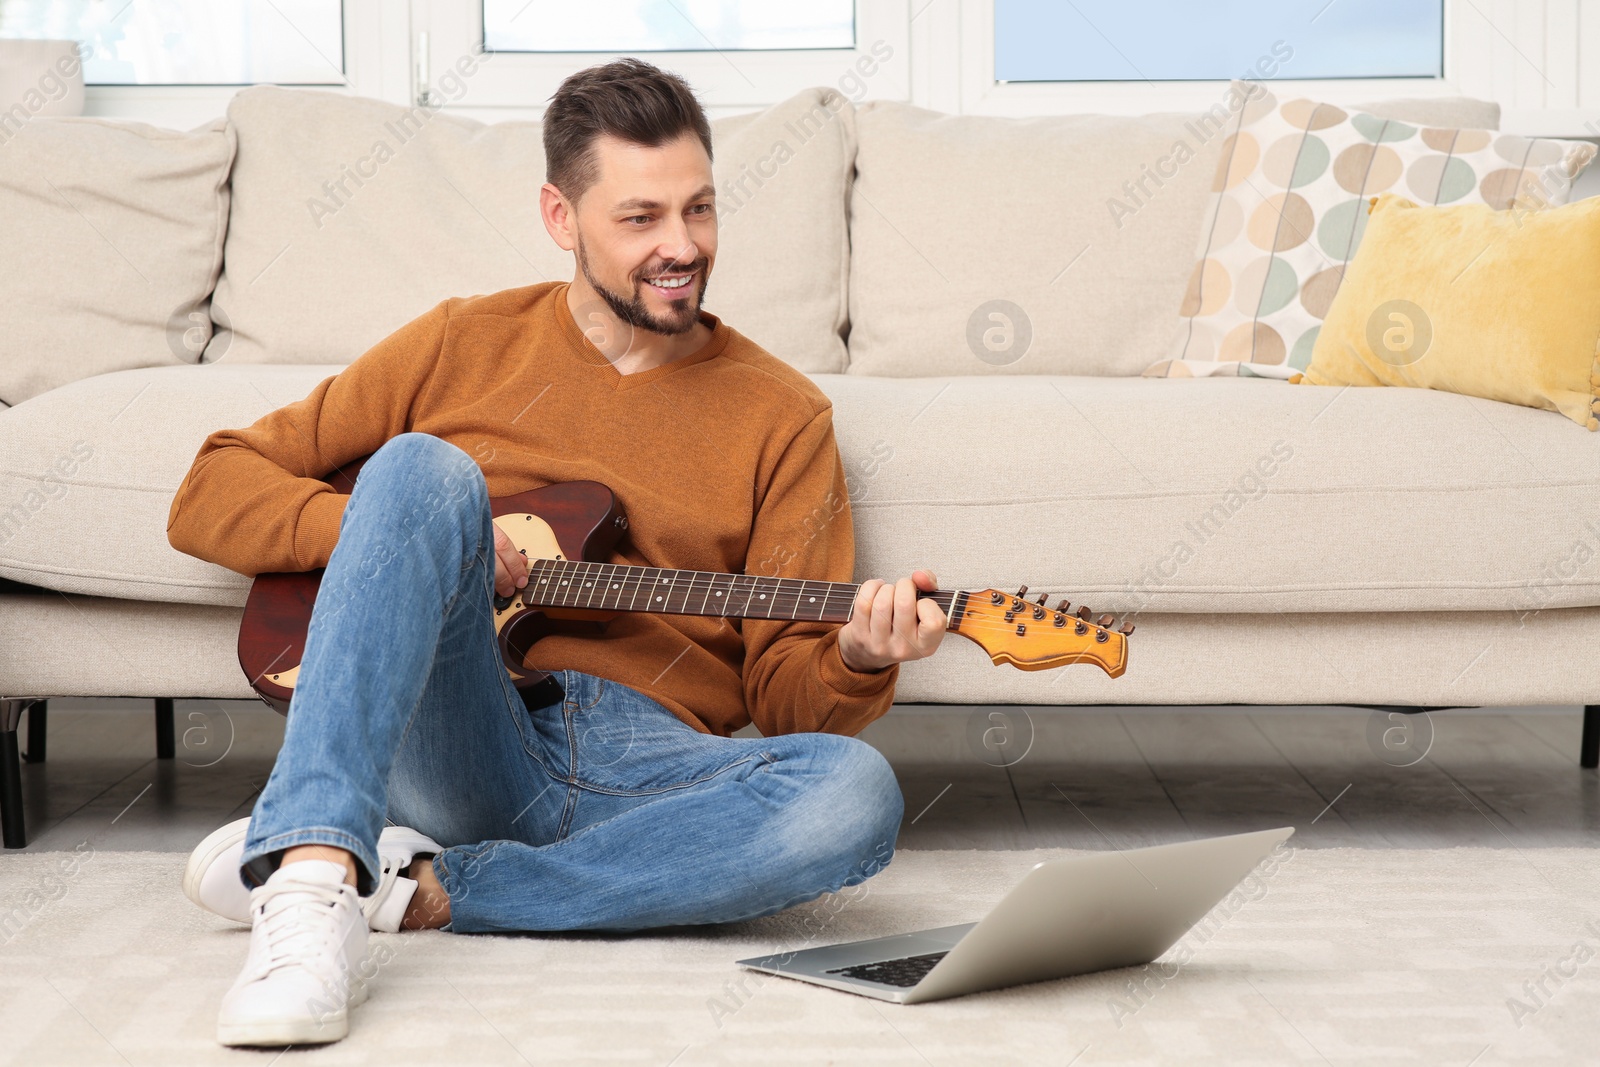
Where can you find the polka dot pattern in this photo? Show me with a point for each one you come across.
(1316, 296)
(1381, 130)
(1281, 222)
(1295, 161)
(1367, 169)
(1209, 288)
(1229, 221)
(1305, 115)
(1252, 343)
(1339, 232)
(1242, 153)
(1300, 358)
(1439, 180)
(1289, 207)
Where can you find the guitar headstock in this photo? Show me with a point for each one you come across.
(1033, 637)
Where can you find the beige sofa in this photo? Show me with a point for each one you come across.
(1276, 544)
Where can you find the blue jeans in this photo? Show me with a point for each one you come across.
(600, 810)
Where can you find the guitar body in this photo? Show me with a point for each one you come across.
(567, 521)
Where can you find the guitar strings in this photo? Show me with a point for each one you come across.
(833, 597)
(971, 622)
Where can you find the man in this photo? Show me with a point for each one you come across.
(621, 803)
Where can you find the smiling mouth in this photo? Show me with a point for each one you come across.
(672, 286)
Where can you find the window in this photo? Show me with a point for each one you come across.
(1181, 40)
(666, 25)
(192, 42)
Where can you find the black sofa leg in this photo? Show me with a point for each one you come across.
(1589, 755)
(12, 832)
(165, 741)
(36, 721)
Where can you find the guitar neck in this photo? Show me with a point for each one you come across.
(559, 583)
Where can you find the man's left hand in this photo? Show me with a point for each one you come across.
(891, 624)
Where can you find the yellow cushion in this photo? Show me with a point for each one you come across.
(1503, 305)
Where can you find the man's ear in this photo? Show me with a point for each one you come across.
(557, 215)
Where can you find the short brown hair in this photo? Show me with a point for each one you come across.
(628, 99)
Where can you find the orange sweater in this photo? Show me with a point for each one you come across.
(724, 460)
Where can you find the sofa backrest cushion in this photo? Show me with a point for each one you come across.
(352, 216)
(1058, 245)
(113, 234)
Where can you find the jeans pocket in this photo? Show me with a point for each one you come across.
(579, 691)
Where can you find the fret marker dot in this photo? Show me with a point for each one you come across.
(658, 599)
(719, 592)
(614, 585)
(813, 600)
(763, 596)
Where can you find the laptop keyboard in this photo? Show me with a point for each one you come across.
(904, 972)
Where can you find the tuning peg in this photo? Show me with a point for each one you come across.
(1064, 605)
(1042, 598)
(1126, 629)
(1105, 621)
(1084, 612)
(1022, 592)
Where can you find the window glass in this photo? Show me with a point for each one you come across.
(191, 42)
(666, 25)
(1185, 40)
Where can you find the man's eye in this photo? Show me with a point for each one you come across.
(641, 219)
(701, 209)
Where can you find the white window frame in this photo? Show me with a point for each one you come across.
(377, 50)
(517, 85)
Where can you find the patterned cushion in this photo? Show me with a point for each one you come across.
(1289, 207)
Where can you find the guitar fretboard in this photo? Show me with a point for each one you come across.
(558, 583)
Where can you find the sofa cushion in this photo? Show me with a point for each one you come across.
(88, 472)
(84, 646)
(1221, 495)
(1497, 304)
(1129, 494)
(990, 246)
(115, 231)
(352, 216)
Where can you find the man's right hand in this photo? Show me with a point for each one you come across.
(510, 566)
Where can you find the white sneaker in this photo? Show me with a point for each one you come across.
(307, 944)
(211, 878)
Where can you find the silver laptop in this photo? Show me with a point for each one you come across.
(1066, 917)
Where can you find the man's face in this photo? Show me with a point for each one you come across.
(646, 231)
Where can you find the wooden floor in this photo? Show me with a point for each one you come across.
(982, 778)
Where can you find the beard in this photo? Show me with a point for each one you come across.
(631, 310)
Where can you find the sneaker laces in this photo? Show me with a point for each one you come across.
(298, 921)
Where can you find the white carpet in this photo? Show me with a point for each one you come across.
(1346, 956)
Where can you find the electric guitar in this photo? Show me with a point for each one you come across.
(567, 528)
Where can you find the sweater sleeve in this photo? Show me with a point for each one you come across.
(254, 500)
(794, 678)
